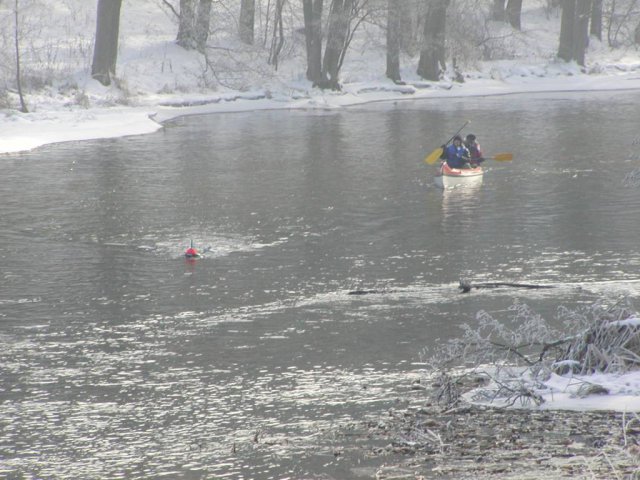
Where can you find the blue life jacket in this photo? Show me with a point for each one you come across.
(455, 154)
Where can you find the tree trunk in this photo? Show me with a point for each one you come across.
(497, 10)
(432, 53)
(247, 19)
(277, 41)
(339, 16)
(203, 21)
(393, 40)
(514, 12)
(105, 51)
(581, 31)
(596, 19)
(16, 37)
(574, 30)
(186, 27)
(312, 10)
(567, 23)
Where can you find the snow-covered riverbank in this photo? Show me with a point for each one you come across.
(62, 123)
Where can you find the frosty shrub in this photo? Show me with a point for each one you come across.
(520, 352)
(607, 339)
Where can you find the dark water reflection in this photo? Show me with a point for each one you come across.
(121, 360)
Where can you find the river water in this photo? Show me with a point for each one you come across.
(122, 360)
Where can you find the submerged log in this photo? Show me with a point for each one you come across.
(466, 286)
(368, 292)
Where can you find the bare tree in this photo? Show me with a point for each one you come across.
(514, 12)
(432, 54)
(565, 49)
(618, 29)
(194, 19)
(339, 17)
(312, 10)
(581, 31)
(105, 51)
(498, 10)
(16, 37)
(247, 19)
(596, 19)
(277, 40)
(393, 40)
(203, 20)
(361, 10)
(410, 25)
(186, 25)
(574, 30)
(344, 19)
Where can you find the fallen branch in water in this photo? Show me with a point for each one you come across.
(466, 287)
(368, 292)
(364, 292)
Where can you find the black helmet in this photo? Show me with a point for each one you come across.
(471, 137)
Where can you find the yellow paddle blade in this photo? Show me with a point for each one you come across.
(503, 157)
(433, 156)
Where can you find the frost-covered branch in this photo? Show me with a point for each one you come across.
(520, 353)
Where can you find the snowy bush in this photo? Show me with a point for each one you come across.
(608, 339)
(519, 354)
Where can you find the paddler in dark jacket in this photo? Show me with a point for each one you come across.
(475, 152)
(457, 154)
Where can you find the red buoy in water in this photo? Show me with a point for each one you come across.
(191, 251)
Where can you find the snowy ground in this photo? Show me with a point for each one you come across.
(565, 393)
(159, 81)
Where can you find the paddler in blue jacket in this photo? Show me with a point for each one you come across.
(457, 154)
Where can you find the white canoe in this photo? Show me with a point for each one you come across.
(448, 177)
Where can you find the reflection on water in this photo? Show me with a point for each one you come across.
(461, 200)
(143, 413)
(121, 360)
